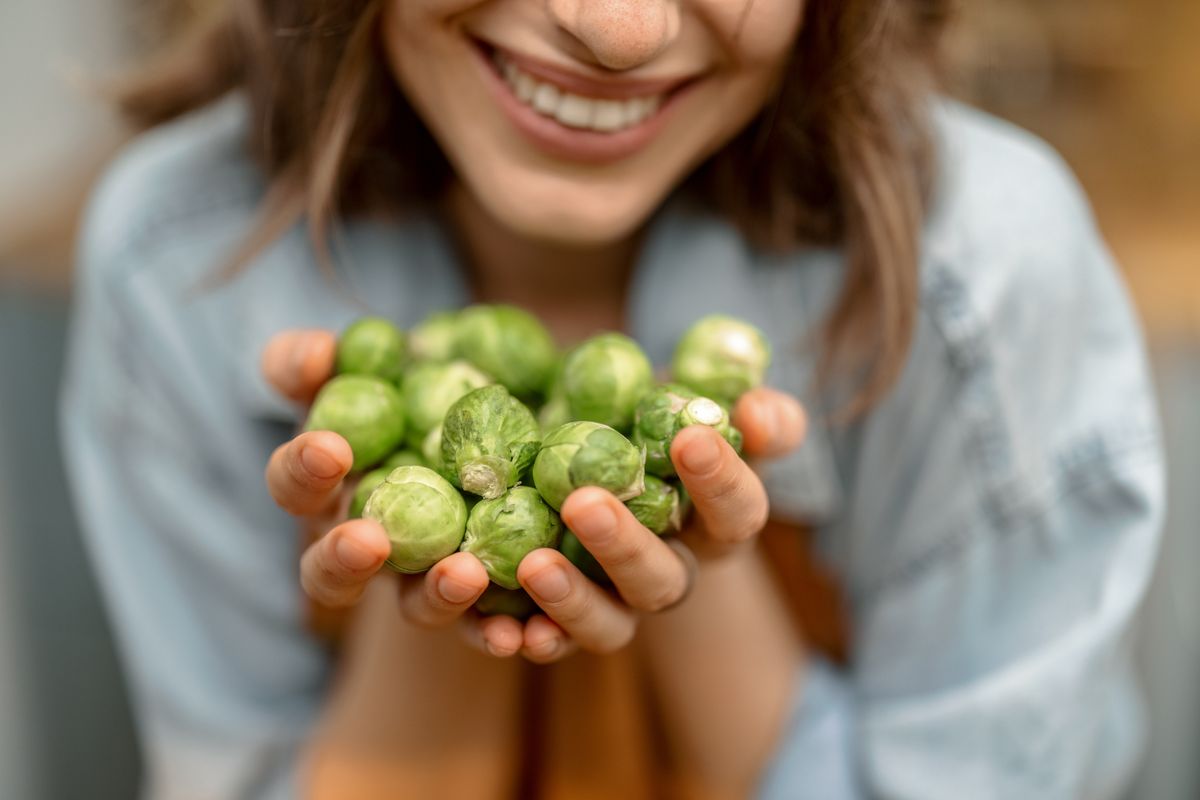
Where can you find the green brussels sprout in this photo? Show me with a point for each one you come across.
(368, 412)
(424, 516)
(496, 600)
(554, 412)
(702, 411)
(509, 344)
(430, 388)
(365, 486)
(431, 452)
(582, 558)
(502, 531)
(403, 458)
(371, 346)
(489, 439)
(655, 423)
(604, 377)
(587, 453)
(658, 507)
(721, 357)
(435, 339)
(664, 412)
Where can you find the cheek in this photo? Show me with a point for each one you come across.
(758, 33)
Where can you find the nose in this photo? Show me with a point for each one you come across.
(620, 34)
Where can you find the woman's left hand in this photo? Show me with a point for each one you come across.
(649, 573)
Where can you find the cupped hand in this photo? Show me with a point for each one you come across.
(307, 476)
(649, 573)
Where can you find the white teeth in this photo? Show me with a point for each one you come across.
(571, 109)
(609, 115)
(525, 87)
(575, 111)
(545, 99)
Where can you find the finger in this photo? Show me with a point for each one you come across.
(646, 572)
(445, 592)
(335, 569)
(726, 493)
(500, 636)
(305, 474)
(545, 642)
(773, 422)
(297, 362)
(588, 614)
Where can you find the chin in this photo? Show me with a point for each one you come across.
(571, 215)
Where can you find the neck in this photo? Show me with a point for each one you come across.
(577, 290)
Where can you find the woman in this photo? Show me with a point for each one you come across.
(982, 467)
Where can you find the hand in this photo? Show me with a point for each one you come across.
(307, 477)
(650, 573)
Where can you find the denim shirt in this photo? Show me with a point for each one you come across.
(993, 521)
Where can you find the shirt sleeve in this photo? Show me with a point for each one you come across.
(1004, 514)
(197, 567)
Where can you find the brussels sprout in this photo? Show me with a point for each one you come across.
(587, 454)
(403, 458)
(604, 377)
(579, 555)
(509, 344)
(702, 411)
(721, 357)
(430, 388)
(489, 439)
(556, 410)
(435, 338)
(665, 411)
(367, 411)
(553, 413)
(503, 531)
(496, 600)
(371, 346)
(656, 421)
(431, 452)
(424, 516)
(365, 487)
(658, 507)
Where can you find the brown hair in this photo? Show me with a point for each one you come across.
(843, 155)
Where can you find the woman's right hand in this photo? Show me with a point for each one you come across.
(307, 477)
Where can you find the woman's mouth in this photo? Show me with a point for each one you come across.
(573, 110)
(576, 118)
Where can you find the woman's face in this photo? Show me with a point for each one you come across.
(571, 120)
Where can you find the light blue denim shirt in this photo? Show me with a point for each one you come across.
(994, 521)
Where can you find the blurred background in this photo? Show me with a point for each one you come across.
(1110, 83)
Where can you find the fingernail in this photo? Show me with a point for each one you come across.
(701, 455)
(494, 650)
(454, 592)
(353, 555)
(594, 521)
(550, 584)
(319, 464)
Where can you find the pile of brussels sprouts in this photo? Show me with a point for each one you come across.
(472, 429)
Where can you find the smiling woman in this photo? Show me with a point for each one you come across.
(804, 121)
(980, 467)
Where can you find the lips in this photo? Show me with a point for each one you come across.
(574, 117)
(576, 110)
